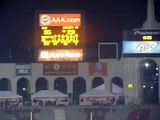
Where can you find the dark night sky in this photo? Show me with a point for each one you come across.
(105, 19)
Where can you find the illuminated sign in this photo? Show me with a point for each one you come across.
(130, 85)
(141, 47)
(60, 19)
(141, 35)
(59, 31)
(149, 37)
(68, 36)
(60, 55)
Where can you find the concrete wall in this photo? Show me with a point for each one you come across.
(8, 71)
(127, 69)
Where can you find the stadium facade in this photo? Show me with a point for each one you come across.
(136, 73)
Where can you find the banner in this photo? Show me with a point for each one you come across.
(60, 68)
(23, 69)
(98, 69)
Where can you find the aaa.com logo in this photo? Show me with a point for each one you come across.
(59, 19)
(45, 20)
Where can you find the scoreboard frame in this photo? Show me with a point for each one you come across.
(141, 43)
(75, 43)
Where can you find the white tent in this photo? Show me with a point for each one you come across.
(100, 87)
(115, 88)
(96, 95)
(50, 95)
(11, 96)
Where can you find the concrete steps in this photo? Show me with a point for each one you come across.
(84, 113)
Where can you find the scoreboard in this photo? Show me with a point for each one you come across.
(141, 35)
(60, 36)
(141, 43)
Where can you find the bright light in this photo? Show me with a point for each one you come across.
(144, 86)
(148, 37)
(130, 85)
(24, 89)
(147, 64)
(151, 87)
(156, 68)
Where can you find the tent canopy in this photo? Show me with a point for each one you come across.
(9, 94)
(97, 97)
(48, 93)
(95, 93)
(100, 87)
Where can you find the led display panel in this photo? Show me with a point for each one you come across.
(141, 43)
(141, 47)
(141, 35)
(60, 30)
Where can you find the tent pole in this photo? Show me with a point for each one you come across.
(31, 115)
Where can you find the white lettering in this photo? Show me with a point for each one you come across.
(68, 20)
(22, 71)
(146, 47)
(60, 54)
(146, 32)
(22, 66)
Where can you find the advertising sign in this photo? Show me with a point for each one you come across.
(141, 47)
(23, 69)
(60, 55)
(98, 69)
(141, 35)
(60, 30)
(60, 19)
(141, 43)
(60, 68)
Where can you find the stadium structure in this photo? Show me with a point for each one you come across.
(135, 75)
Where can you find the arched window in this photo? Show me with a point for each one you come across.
(41, 84)
(23, 88)
(60, 84)
(149, 77)
(5, 84)
(97, 81)
(79, 87)
(117, 85)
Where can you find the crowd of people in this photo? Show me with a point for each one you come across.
(102, 101)
(9, 104)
